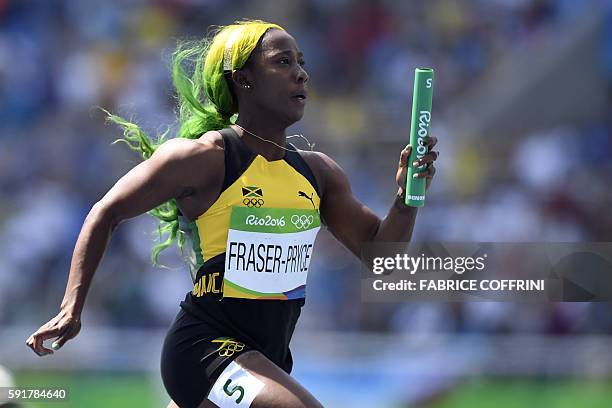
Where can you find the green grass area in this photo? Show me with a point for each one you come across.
(94, 390)
(524, 393)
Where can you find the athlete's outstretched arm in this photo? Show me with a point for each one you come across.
(354, 224)
(165, 175)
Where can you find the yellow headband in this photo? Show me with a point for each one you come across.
(229, 44)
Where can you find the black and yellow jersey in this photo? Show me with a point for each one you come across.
(250, 251)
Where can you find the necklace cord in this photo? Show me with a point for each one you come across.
(310, 145)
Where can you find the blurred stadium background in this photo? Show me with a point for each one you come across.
(523, 111)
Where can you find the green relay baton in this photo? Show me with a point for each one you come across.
(419, 129)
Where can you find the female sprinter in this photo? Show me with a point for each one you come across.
(251, 205)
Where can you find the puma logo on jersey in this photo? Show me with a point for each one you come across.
(303, 194)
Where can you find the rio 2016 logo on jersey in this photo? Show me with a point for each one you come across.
(252, 196)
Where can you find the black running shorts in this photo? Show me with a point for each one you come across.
(193, 357)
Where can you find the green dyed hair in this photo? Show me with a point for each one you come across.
(205, 103)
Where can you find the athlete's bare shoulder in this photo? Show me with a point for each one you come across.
(324, 168)
(318, 159)
(212, 136)
(193, 163)
(182, 148)
(199, 168)
(191, 154)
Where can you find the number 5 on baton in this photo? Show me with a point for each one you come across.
(419, 129)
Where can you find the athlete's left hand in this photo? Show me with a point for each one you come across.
(428, 159)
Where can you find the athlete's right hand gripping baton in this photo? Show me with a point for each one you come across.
(419, 129)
